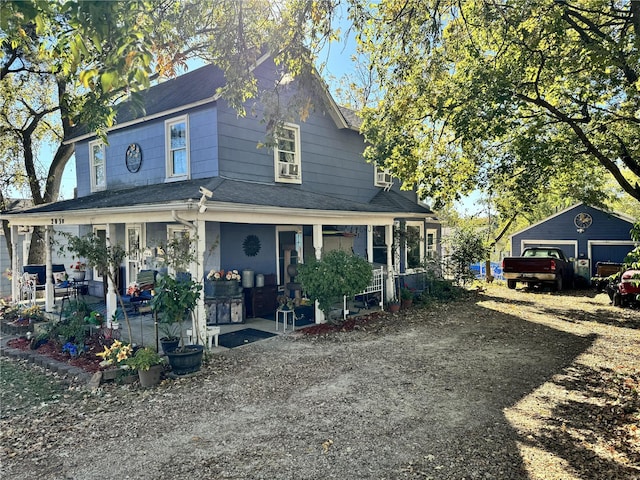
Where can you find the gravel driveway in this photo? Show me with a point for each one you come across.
(500, 385)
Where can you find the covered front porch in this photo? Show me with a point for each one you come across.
(280, 228)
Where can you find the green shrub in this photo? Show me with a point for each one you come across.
(338, 273)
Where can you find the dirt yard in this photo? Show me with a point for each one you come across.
(501, 385)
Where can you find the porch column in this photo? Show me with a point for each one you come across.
(388, 240)
(48, 286)
(26, 245)
(15, 265)
(370, 243)
(199, 316)
(317, 246)
(317, 241)
(111, 300)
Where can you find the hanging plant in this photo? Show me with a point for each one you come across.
(251, 245)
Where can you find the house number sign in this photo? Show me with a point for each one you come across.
(133, 157)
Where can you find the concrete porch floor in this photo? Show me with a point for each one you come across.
(143, 327)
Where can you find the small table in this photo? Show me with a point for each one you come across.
(285, 319)
(80, 287)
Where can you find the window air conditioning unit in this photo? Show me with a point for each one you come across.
(383, 178)
(289, 170)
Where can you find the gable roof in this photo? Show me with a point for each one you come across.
(190, 90)
(235, 192)
(620, 216)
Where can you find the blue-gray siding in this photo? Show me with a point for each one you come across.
(561, 228)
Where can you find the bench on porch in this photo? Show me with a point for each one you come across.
(146, 281)
(34, 280)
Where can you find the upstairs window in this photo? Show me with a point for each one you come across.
(177, 148)
(287, 155)
(97, 165)
(383, 178)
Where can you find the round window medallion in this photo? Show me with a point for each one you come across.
(133, 157)
(583, 220)
(251, 245)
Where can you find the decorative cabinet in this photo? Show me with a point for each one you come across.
(224, 309)
(261, 300)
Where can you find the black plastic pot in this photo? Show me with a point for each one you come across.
(186, 360)
(169, 344)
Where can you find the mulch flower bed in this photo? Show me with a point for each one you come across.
(87, 361)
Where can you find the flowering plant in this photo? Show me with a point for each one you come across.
(229, 275)
(79, 266)
(116, 354)
(133, 289)
(74, 349)
(286, 301)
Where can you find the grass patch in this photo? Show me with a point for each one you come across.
(22, 387)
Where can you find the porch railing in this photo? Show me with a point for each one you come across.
(376, 286)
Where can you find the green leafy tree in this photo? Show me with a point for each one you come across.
(467, 247)
(523, 97)
(70, 62)
(106, 258)
(338, 273)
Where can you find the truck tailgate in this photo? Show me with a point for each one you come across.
(527, 265)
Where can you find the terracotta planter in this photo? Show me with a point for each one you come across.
(406, 303)
(394, 307)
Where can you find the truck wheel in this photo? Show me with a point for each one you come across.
(617, 299)
(558, 283)
(511, 284)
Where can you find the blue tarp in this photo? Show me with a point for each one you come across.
(480, 270)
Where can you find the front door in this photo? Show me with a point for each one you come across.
(289, 247)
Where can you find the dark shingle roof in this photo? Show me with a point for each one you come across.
(351, 117)
(233, 191)
(396, 202)
(189, 88)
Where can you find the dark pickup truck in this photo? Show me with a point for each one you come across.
(539, 265)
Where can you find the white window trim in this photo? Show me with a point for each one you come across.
(96, 275)
(95, 187)
(172, 230)
(421, 245)
(134, 262)
(297, 157)
(170, 176)
(382, 177)
(431, 253)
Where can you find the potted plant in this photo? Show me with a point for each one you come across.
(222, 283)
(406, 297)
(78, 271)
(393, 306)
(174, 301)
(170, 338)
(148, 363)
(285, 303)
(335, 275)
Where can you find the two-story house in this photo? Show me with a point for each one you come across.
(188, 162)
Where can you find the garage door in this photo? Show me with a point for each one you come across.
(568, 250)
(608, 253)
